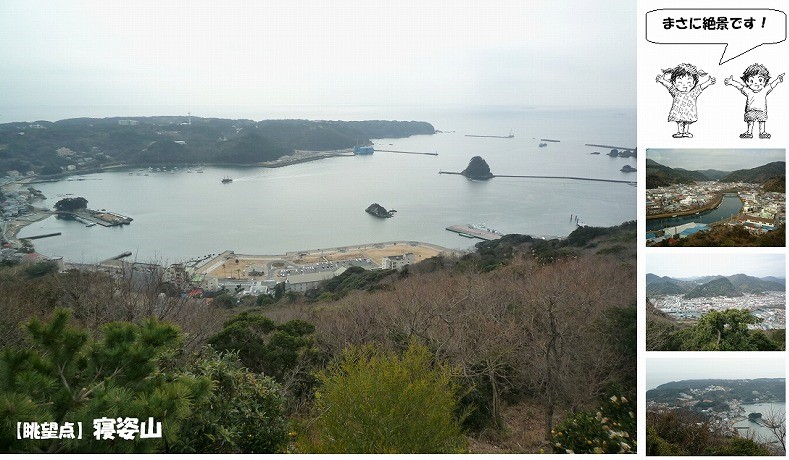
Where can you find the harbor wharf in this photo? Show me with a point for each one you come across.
(465, 230)
(103, 218)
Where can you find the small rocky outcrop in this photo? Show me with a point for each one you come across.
(378, 211)
(477, 169)
(628, 168)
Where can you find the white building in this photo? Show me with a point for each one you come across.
(307, 281)
(397, 262)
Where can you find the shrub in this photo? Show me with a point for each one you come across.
(372, 401)
(612, 430)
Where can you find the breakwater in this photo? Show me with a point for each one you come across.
(409, 153)
(495, 137)
(610, 147)
(551, 177)
(38, 237)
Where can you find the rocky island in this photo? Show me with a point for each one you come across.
(377, 210)
(477, 169)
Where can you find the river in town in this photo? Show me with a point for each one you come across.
(730, 206)
(321, 204)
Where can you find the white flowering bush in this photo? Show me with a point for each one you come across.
(611, 430)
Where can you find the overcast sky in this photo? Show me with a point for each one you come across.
(720, 159)
(689, 265)
(273, 52)
(719, 365)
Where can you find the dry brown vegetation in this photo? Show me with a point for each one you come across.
(533, 337)
(524, 332)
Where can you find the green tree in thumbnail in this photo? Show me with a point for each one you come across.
(721, 331)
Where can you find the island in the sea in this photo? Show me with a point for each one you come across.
(377, 210)
(82, 145)
(477, 169)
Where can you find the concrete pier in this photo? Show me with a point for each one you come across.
(465, 230)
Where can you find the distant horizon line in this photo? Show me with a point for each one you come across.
(58, 112)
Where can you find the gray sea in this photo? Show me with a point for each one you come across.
(321, 204)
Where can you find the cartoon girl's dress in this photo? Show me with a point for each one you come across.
(683, 108)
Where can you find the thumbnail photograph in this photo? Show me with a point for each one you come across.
(722, 405)
(716, 197)
(716, 302)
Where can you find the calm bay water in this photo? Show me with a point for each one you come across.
(763, 433)
(321, 204)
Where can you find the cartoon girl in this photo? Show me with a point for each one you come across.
(682, 82)
(756, 78)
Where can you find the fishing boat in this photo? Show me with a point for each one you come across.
(227, 180)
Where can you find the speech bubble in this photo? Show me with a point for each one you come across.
(741, 30)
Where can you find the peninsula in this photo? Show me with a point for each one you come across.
(87, 144)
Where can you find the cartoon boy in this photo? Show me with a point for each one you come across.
(682, 83)
(756, 78)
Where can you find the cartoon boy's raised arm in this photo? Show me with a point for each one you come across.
(732, 82)
(778, 79)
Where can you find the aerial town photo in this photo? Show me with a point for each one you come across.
(716, 406)
(716, 302)
(716, 197)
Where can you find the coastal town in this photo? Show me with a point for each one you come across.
(769, 307)
(717, 400)
(761, 211)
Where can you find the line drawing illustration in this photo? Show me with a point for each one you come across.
(684, 86)
(755, 87)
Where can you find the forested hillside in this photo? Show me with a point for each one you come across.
(507, 349)
(46, 147)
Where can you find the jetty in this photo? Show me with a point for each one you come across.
(552, 177)
(472, 232)
(38, 237)
(409, 153)
(549, 140)
(495, 137)
(610, 147)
